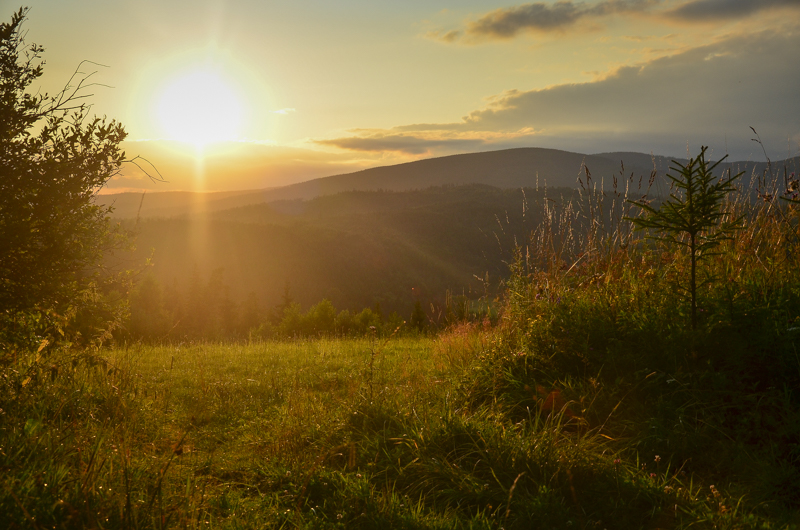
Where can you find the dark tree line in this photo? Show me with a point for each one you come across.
(204, 310)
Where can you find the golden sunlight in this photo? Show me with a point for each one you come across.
(200, 108)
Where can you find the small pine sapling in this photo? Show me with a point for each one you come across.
(693, 215)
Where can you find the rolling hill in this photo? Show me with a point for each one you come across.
(511, 168)
(355, 248)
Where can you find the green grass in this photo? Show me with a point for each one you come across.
(326, 434)
(593, 403)
(205, 434)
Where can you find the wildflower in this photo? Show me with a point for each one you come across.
(657, 459)
(617, 461)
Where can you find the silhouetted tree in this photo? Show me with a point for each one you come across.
(693, 217)
(286, 302)
(53, 160)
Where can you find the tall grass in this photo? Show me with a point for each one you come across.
(598, 315)
(592, 404)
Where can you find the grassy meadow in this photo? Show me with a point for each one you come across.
(216, 435)
(596, 401)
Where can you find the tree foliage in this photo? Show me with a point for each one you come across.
(694, 216)
(53, 160)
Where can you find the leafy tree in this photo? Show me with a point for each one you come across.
(292, 322)
(321, 318)
(693, 215)
(53, 160)
(344, 322)
(365, 320)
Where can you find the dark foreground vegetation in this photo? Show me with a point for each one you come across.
(629, 383)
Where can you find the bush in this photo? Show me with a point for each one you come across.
(53, 160)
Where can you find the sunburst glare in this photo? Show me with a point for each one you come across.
(200, 108)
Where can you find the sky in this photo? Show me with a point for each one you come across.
(246, 94)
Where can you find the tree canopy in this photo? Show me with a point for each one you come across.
(54, 158)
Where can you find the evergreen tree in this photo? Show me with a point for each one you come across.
(693, 217)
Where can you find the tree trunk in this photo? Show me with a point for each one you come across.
(693, 281)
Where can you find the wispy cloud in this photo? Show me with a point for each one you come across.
(563, 15)
(402, 143)
(540, 17)
(444, 36)
(711, 10)
(284, 112)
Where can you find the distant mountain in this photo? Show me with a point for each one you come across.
(511, 168)
(355, 248)
(753, 172)
(641, 159)
(507, 169)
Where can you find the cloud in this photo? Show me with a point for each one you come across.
(721, 83)
(448, 37)
(401, 143)
(710, 10)
(541, 17)
(505, 23)
(701, 95)
(709, 94)
(284, 112)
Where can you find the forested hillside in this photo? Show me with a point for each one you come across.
(357, 249)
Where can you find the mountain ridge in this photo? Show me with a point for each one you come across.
(509, 168)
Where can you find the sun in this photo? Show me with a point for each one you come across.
(200, 107)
